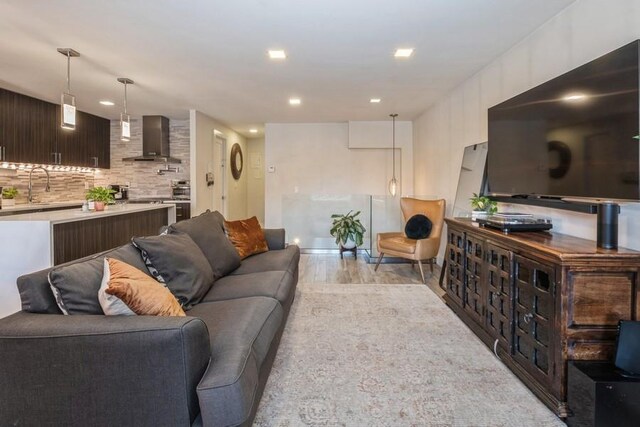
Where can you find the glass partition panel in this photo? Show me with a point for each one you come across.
(307, 217)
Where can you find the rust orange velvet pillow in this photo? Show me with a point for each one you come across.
(247, 236)
(143, 294)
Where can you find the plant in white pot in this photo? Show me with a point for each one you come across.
(482, 206)
(100, 197)
(347, 230)
(9, 196)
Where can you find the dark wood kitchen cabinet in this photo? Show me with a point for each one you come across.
(183, 211)
(539, 300)
(28, 129)
(31, 133)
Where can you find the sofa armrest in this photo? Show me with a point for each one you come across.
(275, 238)
(101, 370)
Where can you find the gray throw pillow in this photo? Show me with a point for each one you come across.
(176, 261)
(207, 231)
(75, 285)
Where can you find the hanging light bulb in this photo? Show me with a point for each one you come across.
(125, 119)
(393, 184)
(68, 101)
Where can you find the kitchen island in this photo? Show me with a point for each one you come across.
(35, 241)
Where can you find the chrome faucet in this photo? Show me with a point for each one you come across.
(47, 188)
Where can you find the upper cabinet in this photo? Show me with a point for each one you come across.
(30, 132)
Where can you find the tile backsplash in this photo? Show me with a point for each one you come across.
(142, 176)
(65, 186)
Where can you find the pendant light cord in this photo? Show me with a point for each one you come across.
(125, 97)
(393, 150)
(68, 71)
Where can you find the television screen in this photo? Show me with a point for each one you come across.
(574, 136)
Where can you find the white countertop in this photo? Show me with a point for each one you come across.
(72, 215)
(36, 206)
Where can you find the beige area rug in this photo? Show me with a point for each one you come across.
(389, 355)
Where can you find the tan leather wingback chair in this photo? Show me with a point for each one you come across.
(399, 245)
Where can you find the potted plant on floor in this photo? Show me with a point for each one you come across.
(348, 231)
(9, 196)
(482, 206)
(100, 197)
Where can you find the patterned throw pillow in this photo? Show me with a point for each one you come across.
(128, 291)
(247, 236)
(147, 261)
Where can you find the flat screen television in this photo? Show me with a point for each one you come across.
(575, 136)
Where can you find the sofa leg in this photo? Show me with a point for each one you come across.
(378, 263)
(431, 264)
(421, 272)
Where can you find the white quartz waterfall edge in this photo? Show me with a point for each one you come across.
(389, 355)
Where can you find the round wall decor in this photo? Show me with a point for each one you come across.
(237, 161)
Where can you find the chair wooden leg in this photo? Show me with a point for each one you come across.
(421, 272)
(431, 264)
(378, 263)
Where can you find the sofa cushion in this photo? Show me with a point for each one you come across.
(281, 260)
(241, 332)
(274, 284)
(247, 236)
(208, 233)
(181, 264)
(77, 283)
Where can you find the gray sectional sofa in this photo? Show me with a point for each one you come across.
(208, 368)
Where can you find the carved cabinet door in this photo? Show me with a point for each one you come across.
(455, 265)
(534, 289)
(499, 295)
(474, 274)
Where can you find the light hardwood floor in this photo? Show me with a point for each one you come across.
(329, 268)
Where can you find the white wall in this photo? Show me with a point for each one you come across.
(254, 168)
(315, 158)
(582, 32)
(202, 129)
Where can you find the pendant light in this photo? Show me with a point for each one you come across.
(68, 101)
(393, 184)
(125, 119)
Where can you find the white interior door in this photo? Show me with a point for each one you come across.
(219, 161)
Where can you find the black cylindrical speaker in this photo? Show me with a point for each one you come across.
(608, 225)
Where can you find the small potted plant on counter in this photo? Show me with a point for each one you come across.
(9, 196)
(482, 206)
(100, 196)
(348, 231)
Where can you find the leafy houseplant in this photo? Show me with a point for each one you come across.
(483, 204)
(100, 196)
(8, 196)
(347, 228)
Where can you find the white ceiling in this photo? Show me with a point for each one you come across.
(211, 55)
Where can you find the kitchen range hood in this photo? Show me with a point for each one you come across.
(155, 141)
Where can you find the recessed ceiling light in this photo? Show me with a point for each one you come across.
(108, 103)
(253, 130)
(295, 101)
(277, 54)
(403, 53)
(574, 97)
(375, 100)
